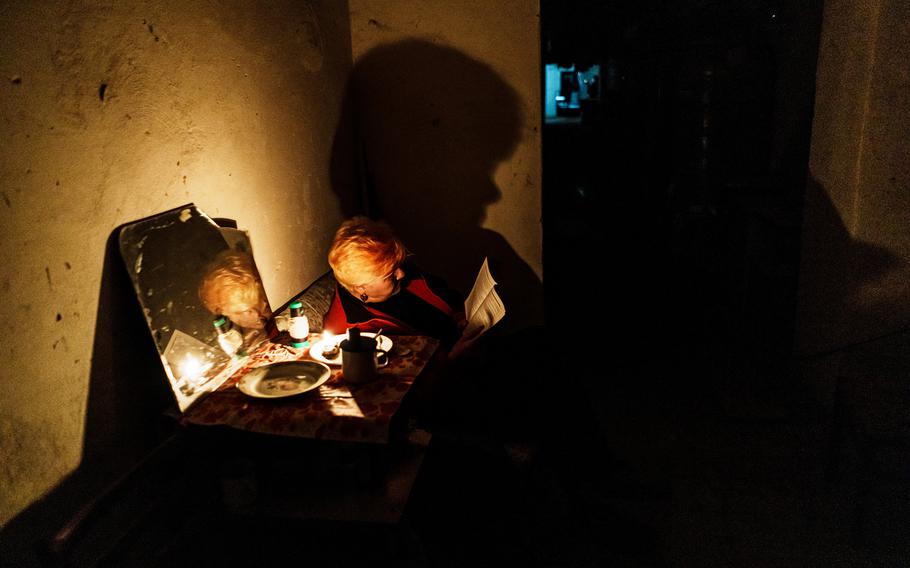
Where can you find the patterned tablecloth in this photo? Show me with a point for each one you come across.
(335, 411)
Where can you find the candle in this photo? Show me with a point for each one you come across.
(329, 345)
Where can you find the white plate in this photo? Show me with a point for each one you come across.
(287, 378)
(316, 348)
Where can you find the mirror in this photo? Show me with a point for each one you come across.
(187, 271)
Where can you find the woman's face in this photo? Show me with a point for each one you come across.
(246, 315)
(248, 318)
(379, 288)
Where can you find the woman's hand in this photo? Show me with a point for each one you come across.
(466, 341)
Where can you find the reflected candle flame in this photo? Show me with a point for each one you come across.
(192, 370)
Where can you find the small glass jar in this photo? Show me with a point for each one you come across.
(298, 325)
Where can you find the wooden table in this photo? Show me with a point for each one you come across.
(340, 452)
(335, 411)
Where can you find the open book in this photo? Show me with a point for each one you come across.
(483, 308)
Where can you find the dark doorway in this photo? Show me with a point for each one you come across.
(672, 223)
(673, 193)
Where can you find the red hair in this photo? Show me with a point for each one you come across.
(364, 250)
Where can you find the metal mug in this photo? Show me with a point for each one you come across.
(359, 366)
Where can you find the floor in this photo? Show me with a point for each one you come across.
(658, 468)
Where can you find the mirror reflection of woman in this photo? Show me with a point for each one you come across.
(231, 287)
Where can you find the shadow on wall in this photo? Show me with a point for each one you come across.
(837, 307)
(128, 392)
(433, 124)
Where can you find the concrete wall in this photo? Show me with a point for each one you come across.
(116, 111)
(855, 271)
(447, 102)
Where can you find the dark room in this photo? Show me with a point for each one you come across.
(452, 283)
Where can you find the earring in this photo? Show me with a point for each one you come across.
(364, 297)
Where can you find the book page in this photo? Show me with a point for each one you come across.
(483, 308)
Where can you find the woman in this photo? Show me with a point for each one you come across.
(475, 397)
(379, 289)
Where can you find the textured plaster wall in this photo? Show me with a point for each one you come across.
(449, 112)
(855, 273)
(110, 112)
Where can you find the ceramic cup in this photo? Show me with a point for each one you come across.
(359, 366)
